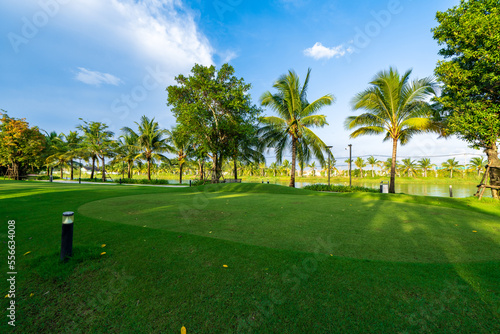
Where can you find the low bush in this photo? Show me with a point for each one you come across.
(46, 177)
(196, 183)
(340, 189)
(142, 181)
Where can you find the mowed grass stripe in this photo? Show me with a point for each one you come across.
(356, 227)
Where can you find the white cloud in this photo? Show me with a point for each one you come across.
(96, 78)
(319, 51)
(154, 32)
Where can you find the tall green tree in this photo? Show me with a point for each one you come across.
(425, 164)
(451, 165)
(180, 144)
(127, 151)
(396, 107)
(409, 167)
(214, 107)
(73, 149)
(470, 34)
(151, 141)
(97, 143)
(296, 115)
(20, 144)
(360, 163)
(478, 163)
(372, 161)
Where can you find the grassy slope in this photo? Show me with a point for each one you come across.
(155, 279)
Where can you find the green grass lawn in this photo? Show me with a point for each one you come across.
(251, 258)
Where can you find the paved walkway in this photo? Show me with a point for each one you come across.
(114, 184)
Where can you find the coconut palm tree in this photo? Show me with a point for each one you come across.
(451, 165)
(313, 167)
(150, 141)
(127, 151)
(73, 148)
(274, 167)
(180, 145)
(285, 166)
(478, 163)
(395, 106)
(372, 162)
(296, 116)
(425, 164)
(58, 157)
(97, 143)
(408, 167)
(360, 163)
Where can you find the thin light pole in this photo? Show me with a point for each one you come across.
(80, 177)
(329, 163)
(350, 165)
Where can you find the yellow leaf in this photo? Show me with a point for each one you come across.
(31, 295)
(474, 231)
(26, 253)
(183, 330)
(224, 265)
(103, 253)
(7, 296)
(103, 245)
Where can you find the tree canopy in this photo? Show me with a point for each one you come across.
(470, 36)
(214, 107)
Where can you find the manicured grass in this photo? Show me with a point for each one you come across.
(297, 261)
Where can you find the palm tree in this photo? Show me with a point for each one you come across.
(478, 164)
(97, 143)
(409, 167)
(49, 149)
(395, 106)
(285, 166)
(360, 163)
(372, 162)
(451, 165)
(180, 144)
(274, 167)
(73, 148)
(313, 166)
(296, 115)
(150, 141)
(425, 164)
(59, 150)
(127, 151)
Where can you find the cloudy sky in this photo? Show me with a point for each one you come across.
(111, 60)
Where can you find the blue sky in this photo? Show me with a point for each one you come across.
(111, 60)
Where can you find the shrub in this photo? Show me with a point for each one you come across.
(196, 183)
(142, 181)
(340, 189)
(46, 177)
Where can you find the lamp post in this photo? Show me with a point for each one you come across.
(80, 177)
(67, 235)
(350, 165)
(329, 163)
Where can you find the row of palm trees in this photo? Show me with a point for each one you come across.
(410, 167)
(392, 105)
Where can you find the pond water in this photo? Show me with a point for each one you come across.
(440, 190)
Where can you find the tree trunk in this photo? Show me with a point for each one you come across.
(71, 166)
(392, 188)
(103, 170)
(294, 154)
(493, 161)
(129, 169)
(93, 167)
(180, 172)
(61, 171)
(149, 169)
(235, 169)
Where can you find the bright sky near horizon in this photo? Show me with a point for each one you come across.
(111, 60)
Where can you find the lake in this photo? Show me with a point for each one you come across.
(440, 190)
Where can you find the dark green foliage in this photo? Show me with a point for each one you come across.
(142, 181)
(340, 189)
